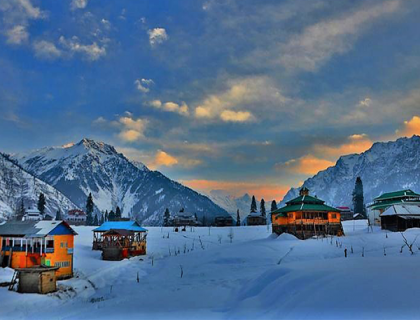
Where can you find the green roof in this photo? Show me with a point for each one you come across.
(304, 203)
(397, 194)
(305, 199)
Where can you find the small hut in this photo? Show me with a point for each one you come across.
(256, 219)
(400, 217)
(38, 279)
(120, 239)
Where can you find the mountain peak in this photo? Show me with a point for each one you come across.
(90, 144)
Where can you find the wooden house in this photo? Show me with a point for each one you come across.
(307, 216)
(223, 221)
(400, 217)
(346, 213)
(256, 219)
(386, 200)
(25, 244)
(76, 217)
(120, 239)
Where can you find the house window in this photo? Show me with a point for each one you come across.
(62, 264)
(334, 216)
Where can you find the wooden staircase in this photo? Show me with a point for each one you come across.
(14, 278)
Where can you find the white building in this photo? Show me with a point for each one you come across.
(32, 214)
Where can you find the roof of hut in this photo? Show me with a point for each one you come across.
(120, 225)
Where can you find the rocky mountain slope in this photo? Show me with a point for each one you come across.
(386, 166)
(96, 167)
(17, 184)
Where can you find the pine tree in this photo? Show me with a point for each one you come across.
(253, 205)
(117, 214)
(95, 220)
(89, 210)
(358, 198)
(238, 219)
(262, 208)
(41, 203)
(204, 220)
(111, 216)
(20, 212)
(106, 216)
(58, 215)
(273, 206)
(166, 217)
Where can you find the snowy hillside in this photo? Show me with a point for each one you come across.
(230, 203)
(17, 184)
(257, 276)
(386, 166)
(96, 167)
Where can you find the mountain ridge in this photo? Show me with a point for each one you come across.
(95, 167)
(386, 166)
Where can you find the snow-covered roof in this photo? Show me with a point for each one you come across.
(402, 210)
(33, 211)
(120, 225)
(255, 214)
(31, 229)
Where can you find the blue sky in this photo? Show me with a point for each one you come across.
(237, 95)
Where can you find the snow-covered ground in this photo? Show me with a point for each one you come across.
(256, 276)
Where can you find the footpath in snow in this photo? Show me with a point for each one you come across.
(236, 273)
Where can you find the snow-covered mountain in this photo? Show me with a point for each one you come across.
(386, 166)
(96, 167)
(230, 203)
(17, 184)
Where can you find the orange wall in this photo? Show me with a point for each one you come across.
(21, 260)
(291, 218)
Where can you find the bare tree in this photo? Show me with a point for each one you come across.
(409, 245)
(231, 235)
(219, 238)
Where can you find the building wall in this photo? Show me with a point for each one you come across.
(61, 257)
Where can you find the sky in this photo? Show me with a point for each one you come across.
(236, 95)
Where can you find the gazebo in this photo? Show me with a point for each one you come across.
(120, 239)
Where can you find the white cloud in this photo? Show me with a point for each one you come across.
(78, 4)
(365, 102)
(319, 42)
(157, 36)
(236, 116)
(143, 85)
(253, 92)
(90, 52)
(16, 16)
(17, 35)
(171, 107)
(132, 129)
(46, 50)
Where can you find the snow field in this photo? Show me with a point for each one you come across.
(257, 275)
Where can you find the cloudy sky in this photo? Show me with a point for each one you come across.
(239, 95)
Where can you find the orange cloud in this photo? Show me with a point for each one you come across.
(308, 164)
(411, 127)
(164, 159)
(267, 191)
(356, 143)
